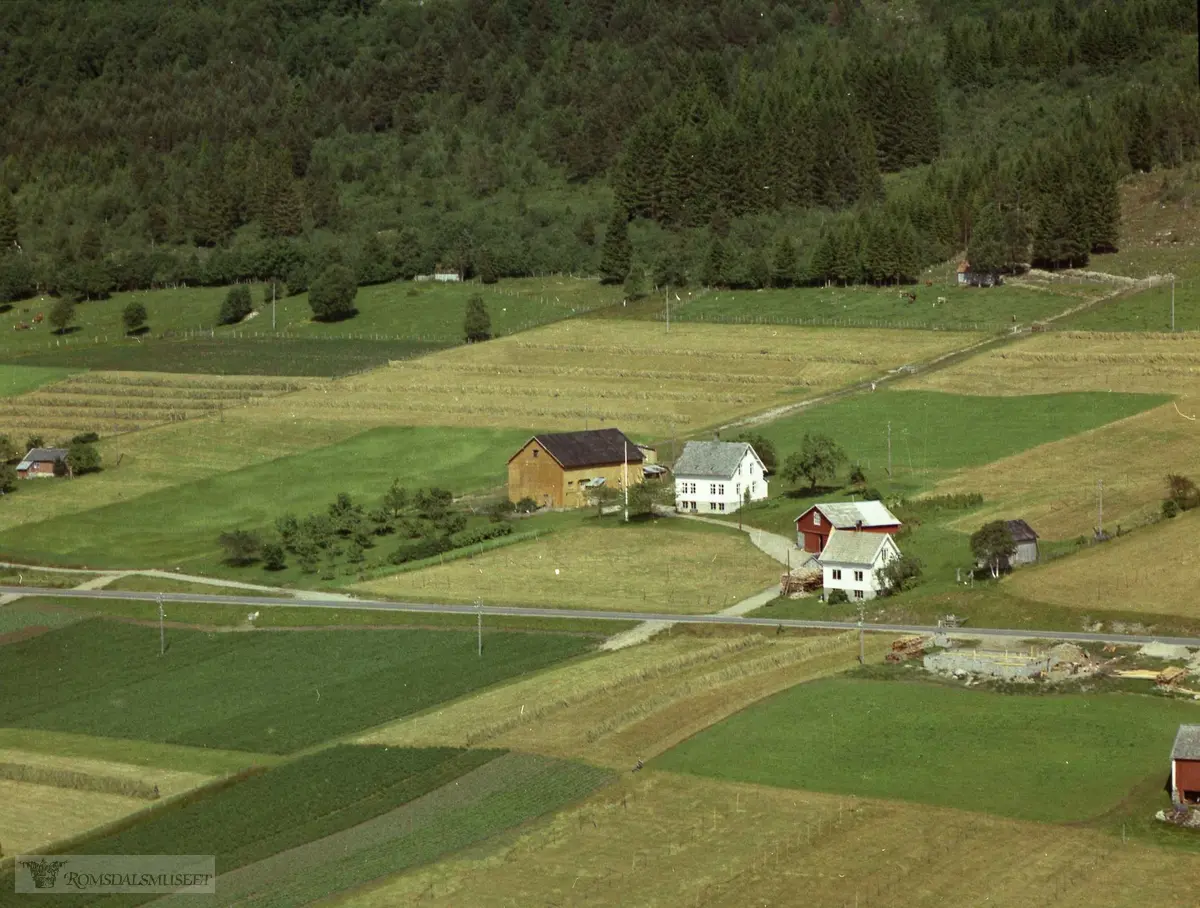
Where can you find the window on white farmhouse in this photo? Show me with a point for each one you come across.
(738, 490)
(712, 488)
(721, 506)
(837, 573)
(693, 505)
(858, 594)
(816, 518)
(858, 576)
(721, 489)
(712, 505)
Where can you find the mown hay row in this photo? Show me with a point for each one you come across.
(78, 781)
(280, 385)
(1099, 358)
(710, 680)
(486, 410)
(433, 368)
(706, 354)
(135, 392)
(600, 392)
(612, 683)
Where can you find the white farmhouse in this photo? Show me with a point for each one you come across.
(851, 558)
(716, 476)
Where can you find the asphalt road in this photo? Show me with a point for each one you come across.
(505, 611)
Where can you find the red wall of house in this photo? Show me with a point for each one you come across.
(1187, 775)
(815, 536)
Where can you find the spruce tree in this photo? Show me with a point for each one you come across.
(716, 265)
(784, 263)
(477, 325)
(986, 251)
(8, 222)
(617, 251)
(1140, 146)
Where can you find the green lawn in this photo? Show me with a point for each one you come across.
(966, 308)
(220, 616)
(226, 354)
(263, 692)
(171, 526)
(207, 761)
(429, 313)
(935, 432)
(23, 379)
(1149, 310)
(1053, 758)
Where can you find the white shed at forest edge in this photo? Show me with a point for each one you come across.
(716, 475)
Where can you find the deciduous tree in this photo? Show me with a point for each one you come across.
(241, 547)
(134, 316)
(331, 296)
(83, 457)
(992, 544)
(62, 315)
(237, 305)
(818, 458)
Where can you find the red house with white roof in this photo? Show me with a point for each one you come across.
(814, 525)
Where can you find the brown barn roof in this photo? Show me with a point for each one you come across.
(588, 449)
(1021, 531)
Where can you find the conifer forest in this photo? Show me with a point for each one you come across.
(730, 143)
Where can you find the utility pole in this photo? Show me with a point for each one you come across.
(889, 470)
(669, 299)
(479, 626)
(625, 480)
(272, 304)
(862, 652)
(1173, 288)
(1100, 488)
(162, 631)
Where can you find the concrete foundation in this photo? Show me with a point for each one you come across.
(988, 663)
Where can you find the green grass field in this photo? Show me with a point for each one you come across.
(248, 354)
(1054, 758)
(263, 692)
(1149, 310)
(965, 309)
(208, 761)
(216, 615)
(394, 321)
(934, 432)
(23, 379)
(476, 807)
(181, 524)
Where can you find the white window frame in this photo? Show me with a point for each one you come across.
(858, 576)
(721, 506)
(858, 594)
(816, 518)
(837, 573)
(721, 489)
(712, 488)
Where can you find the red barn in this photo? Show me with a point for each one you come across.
(814, 525)
(39, 462)
(1185, 766)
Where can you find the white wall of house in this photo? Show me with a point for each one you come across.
(1027, 553)
(858, 580)
(708, 495)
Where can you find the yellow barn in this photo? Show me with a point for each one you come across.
(559, 470)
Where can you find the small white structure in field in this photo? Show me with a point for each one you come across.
(851, 558)
(717, 476)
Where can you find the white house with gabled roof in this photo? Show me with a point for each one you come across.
(716, 476)
(851, 558)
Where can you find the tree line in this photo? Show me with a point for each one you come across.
(148, 146)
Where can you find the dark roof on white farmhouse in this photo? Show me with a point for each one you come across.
(589, 449)
(42, 455)
(716, 459)
(1021, 531)
(1187, 743)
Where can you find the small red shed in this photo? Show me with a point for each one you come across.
(814, 525)
(1185, 766)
